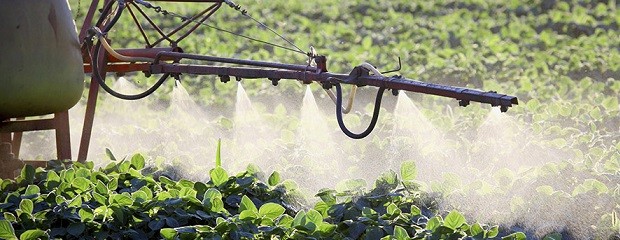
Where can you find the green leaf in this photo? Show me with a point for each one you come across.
(300, 218)
(32, 190)
(248, 215)
(271, 210)
(76, 229)
(113, 184)
(392, 209)
(168, 233)
(137, 161)
(32, 234)
(274, 179)
(408, 171)
(101, 188)
(454, 220)
(100, 198)
(86, 214)
(109, 154)
(121, 200)
(6, 230)
(218, 155)
(433, 223)
(218, 176)
(81, 183)
(76, 201)
(10, 217)
(515, 236)
(27, 174)
(476, 230)
(491, 233)
(314, 216)
(26, 205)
(415, 211)
(400, 233)
(247, 204)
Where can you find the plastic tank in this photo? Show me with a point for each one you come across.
(40, 61)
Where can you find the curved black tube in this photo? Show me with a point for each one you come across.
(95, 61)
(375, 114)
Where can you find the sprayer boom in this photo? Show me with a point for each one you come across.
(360, 76)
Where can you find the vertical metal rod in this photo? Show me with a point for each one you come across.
(89, 118)
(63, 136)
(88, 19)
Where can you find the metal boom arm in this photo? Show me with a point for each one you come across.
(276, 71)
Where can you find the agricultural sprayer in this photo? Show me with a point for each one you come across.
(43, 61)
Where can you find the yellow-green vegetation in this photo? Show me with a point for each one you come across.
(561, 58)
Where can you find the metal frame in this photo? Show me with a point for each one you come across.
(110, 64)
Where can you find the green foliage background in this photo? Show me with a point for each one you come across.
(560, 58)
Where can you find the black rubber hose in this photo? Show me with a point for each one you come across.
(375, 114)
(95, 65)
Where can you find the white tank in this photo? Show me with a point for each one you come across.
(41, 68)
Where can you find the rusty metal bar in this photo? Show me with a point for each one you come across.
(26, 125)
(63, 136)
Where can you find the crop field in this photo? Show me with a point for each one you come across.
(202, 159)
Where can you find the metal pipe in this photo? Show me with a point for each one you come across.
(295, 67)
(464, 94)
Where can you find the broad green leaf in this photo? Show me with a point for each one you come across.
(101, 188)
(247, 204)
(400, 233)
(218, 176)
(76, 201)
(168, 233)
(271, 210)
(248, 215)
(32, 190)
(476, 230)
(433, 223)
(86, 214)
(32, 234)
(454, 220)
(217, 205)
(26, 205)
(415, 211)
(300, 219)
(121, 200)
(80, 183)
(113, 184)
(6, 230)
(491, 233)
(392, 209)
(274, 179)
(100, 198)
(137, 161)
(76, 229)
(52, 176)
(314, 217)
(10, 217)
(408, 171)
(27, 174)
